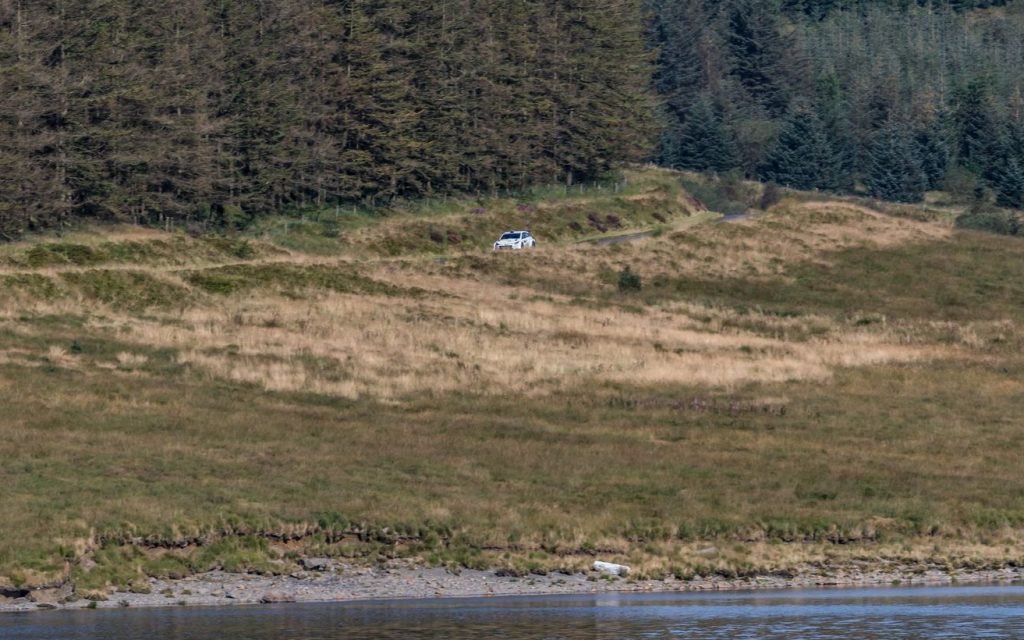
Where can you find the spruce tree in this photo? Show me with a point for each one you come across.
(704, 143)
(803, 156)
(933, 154)
(31, 195)
(1004, 173)
(1009, 185)
(895, 171)
(766, 62)
(975, 124)
(833, 110)
(592, 67)
(679, 32)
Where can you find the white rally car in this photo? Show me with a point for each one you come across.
(515, 240)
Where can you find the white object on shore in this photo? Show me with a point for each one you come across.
(612, 568)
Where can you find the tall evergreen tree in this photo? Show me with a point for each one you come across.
(833, 111)
(679, 32)
(597, 84)
(975, 124)
(933, 153)
(32, 194)
(896, 173)
(1009, 184)
(1004, 173)
(766, 62)
(803, 156)
(704, 143)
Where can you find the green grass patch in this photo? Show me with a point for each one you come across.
(135, 290)
(969, 278)
(288, 279)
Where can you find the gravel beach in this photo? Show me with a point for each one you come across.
(329, 581)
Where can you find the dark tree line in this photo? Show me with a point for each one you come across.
(881, 96)
(217, 111)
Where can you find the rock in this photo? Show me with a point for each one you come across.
(316, 564)
(274, 597)
(87, 564)
(611, 568)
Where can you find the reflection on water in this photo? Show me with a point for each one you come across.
(941, 612)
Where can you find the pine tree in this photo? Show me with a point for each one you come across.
(31, 195)
(895, 172)
(679, 32)
(975, 125)
(833, 111)
(590, 75)
(704, 143)
(767, 63)
(933, 154)
(1009, 185)
(803, 156)
(1004, 173)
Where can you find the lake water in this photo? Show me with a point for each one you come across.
(882, 613)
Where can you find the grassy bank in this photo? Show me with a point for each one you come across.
(825, 380)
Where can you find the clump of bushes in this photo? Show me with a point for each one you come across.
(1001, 222)
(629, 281)
(720, 195)
(770, 197)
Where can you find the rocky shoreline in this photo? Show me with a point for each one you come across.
(330, 581)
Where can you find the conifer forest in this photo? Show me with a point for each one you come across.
(216, 112)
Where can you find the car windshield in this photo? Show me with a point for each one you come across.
(511, 236)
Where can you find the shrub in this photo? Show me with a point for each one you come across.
(959, 184)
(629, 281)
(1001, 222)
(243, 250)
(770, 197)
(713, 196)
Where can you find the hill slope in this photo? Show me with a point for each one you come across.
(825, 372)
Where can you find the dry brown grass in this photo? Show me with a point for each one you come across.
(472, 333)
(478, 337)
(791, 232)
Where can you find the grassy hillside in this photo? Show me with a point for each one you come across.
(824, 382)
